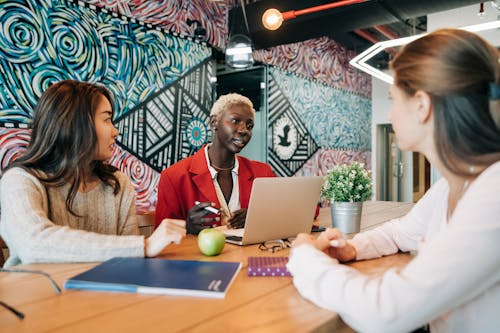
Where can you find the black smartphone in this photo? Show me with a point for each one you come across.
(317, 228)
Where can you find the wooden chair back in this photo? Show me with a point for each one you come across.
(146, 223)
(3, 247)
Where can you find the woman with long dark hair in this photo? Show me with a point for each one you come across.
(60, 200)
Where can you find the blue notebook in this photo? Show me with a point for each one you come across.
(159, 276)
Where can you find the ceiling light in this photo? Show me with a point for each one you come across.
(239, 51)
(273, 18)
(360, 60)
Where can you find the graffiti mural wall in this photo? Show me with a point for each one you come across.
(319, 108)
(42, 42)
(173, 15)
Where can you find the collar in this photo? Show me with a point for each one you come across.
(213, 171)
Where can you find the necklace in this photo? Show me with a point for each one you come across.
(221, 169)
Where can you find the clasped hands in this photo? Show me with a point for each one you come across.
(203, 214)
(331, 241)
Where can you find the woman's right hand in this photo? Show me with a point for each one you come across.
(169, 231)
(196, 217)
(336, 245)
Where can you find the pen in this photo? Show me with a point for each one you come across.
(209, 208)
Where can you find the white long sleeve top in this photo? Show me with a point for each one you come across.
(37, 226)
(453, 283)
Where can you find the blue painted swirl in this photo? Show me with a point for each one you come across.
(44, 41)
(22, 37)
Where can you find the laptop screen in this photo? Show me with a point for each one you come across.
(279, 208)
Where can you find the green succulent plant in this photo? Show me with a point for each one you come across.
(347, 183)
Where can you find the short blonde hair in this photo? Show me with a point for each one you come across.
(224, 102)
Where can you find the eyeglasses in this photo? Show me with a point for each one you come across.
(18, 313)
(276, 245)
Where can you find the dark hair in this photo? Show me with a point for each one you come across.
(63, 141)
(456, 68)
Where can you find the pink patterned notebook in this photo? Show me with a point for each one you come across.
(267, 266)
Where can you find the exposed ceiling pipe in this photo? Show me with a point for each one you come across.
(294, 13)
(366, 35)
(371, 38)
(339, 23)
(386, 31)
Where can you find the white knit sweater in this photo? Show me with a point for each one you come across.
(37, 227)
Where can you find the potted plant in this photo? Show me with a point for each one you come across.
(346, 187)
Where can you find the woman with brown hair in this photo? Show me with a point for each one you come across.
(61, 202)
(445, 104)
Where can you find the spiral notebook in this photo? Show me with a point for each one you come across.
(268, 266)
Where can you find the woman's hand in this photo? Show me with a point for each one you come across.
(169, 231)
(332, 242)
(337, 247)
(196, 219)
(238, 219)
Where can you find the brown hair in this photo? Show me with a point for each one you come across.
(63, 139)
(456, 68)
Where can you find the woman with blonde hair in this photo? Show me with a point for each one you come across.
(445, 104)
(216, 175)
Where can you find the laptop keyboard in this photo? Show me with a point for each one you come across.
(234, 238)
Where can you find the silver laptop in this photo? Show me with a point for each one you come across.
(279, 207)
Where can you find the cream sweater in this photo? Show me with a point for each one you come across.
(37, 227)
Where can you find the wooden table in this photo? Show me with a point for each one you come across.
(252, 304)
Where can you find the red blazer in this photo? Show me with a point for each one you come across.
(189, 180)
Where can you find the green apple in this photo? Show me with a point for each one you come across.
(211, 241)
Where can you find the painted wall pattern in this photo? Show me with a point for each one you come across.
(173, 123)
(144, 178)
(45, 42)
(336, 122)
(291, 145)
(13, 142)
(42, 42)
(325, 159)
(333, 117)
(172, 15)
(153, 72)
(321, 59)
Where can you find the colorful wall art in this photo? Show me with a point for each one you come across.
(320, 59)
(150, 71)
(173, 15)
(163, 81)
(319, 108)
